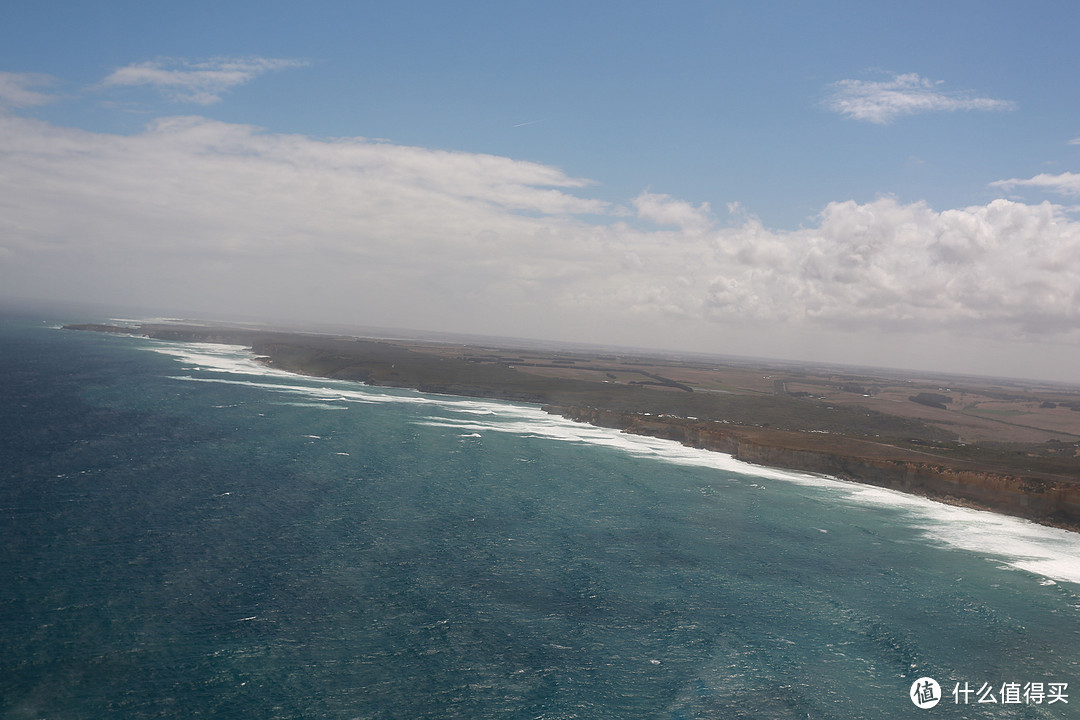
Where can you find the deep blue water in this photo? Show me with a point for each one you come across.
(188, 535)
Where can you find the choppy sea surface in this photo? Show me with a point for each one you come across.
(186, 533)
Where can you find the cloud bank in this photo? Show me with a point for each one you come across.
(211, 216)
(201, 82)
(881, 102)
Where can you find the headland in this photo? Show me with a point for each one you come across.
(1003, 445)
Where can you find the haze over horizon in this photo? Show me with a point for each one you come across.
(868, 185)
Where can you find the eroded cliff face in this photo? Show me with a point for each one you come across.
(1044, 500)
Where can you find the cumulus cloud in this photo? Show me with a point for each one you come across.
(666, 210)
(1003, 269)
(202, 82)
(209, 215)
(882, 102)
(1066, 183)
(15, 89)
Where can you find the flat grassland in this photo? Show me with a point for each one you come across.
(1008, 425)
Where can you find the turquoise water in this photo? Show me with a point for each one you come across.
(188, 534)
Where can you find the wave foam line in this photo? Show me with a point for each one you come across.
(1047, 552)
(1021, 544)
(240, 360)
(354, 392)
(214, 357)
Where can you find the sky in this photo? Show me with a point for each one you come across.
(889, 184)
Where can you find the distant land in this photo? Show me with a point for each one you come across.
(1009, 446)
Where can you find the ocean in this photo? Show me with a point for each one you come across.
(187, 533)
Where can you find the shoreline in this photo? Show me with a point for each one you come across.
(1049, 499)
(1044, 501)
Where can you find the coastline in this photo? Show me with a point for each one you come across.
(1047, 501)
(1050, 499)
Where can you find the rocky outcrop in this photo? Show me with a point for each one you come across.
(1046, 500)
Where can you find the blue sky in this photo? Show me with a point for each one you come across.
(878, 183)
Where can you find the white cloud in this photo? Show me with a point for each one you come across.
(190, 186)
(666, 210)
(1074, 141)
(882, 102)
(212, 216)
(1066, 183)
(1004, 269)
(15, 89)
(202, 82)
